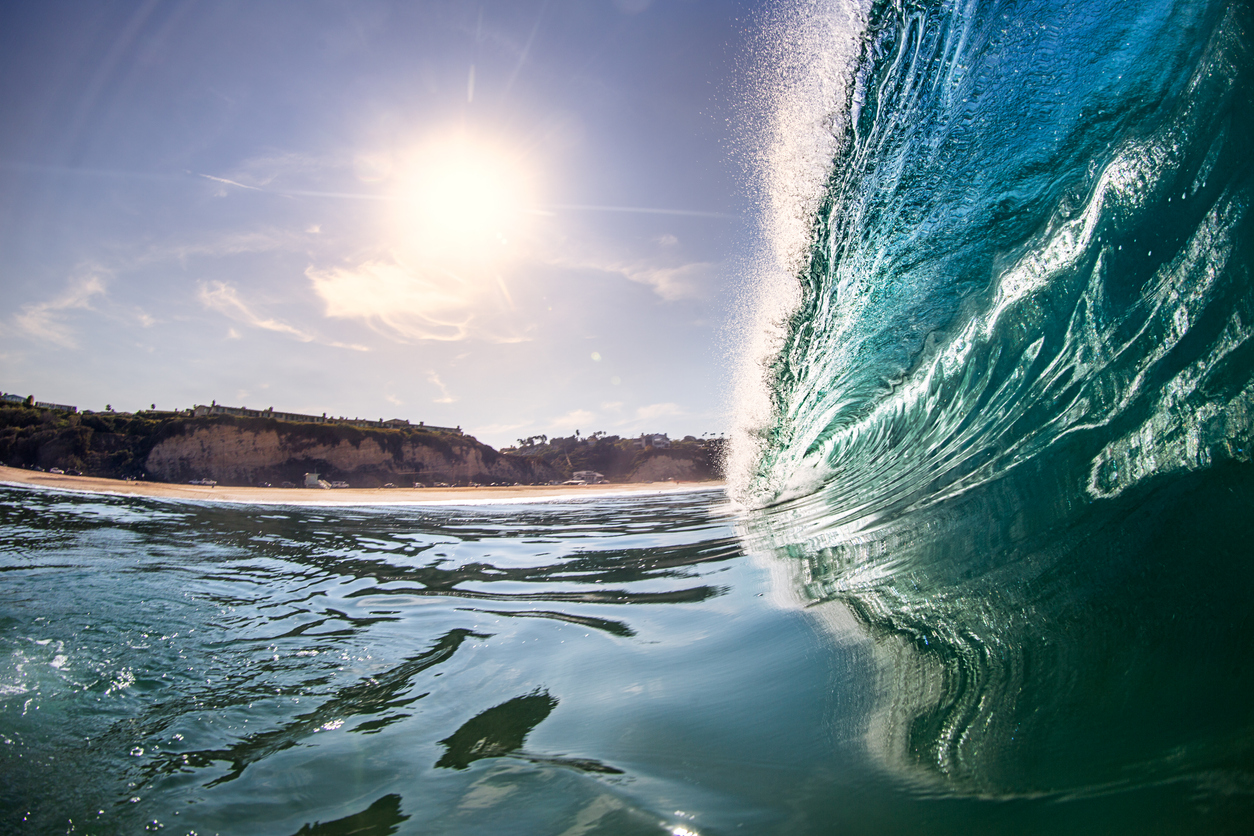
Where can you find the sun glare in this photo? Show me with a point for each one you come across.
(464, 198)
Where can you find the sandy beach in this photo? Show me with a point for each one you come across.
(338, 496)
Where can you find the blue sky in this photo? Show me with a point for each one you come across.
(516, 217)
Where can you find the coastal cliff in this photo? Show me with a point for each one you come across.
(237, 452)
(666, 466)
(644, 459)
(241, 451)
(249, 451)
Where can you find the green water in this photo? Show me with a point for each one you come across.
(612, 666)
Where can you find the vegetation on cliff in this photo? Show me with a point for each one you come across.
(627, 459)
(232, 450)
(169, 446)
(95, 444)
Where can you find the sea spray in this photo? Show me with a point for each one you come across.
(795, 123)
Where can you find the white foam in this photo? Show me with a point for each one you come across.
(807, 58)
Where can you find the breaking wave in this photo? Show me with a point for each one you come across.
(1001, 402)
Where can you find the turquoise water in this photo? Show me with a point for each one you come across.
(987, 570)
(607, 666)
(1011, 405)
(259, 669)
(600, 666)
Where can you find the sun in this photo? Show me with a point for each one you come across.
(464, 197)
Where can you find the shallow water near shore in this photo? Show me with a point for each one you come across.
(586, 664)
(620, 665)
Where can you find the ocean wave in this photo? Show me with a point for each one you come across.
(1011, 407)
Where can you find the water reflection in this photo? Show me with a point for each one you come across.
(384, 693)
(615, 628)
(197, 654)
(498, 731)
(1027, 651)
(381, 818)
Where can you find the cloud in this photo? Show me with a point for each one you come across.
(612, 417)
(406, 303)
(499, 429)
(229, 183)
(577, 419)
(672, 283)
(46, 320)
(240, 243)
(445, 397)
(686, 281)
(259, 172)
(657, 410)
(224, 299)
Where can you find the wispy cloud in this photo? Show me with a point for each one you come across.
(410, 304)
(577, 419)
(259, 172)
(389, 298)
(650, 418)
(499, 429)
(240, 243)
(685, 281)
(688, 281)
(47, 320)
(657, 410)
(224, 299)
(445, 397)
(291, 174)
(231, 182)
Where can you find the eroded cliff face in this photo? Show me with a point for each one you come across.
(243, 451)
(245, 455)
(663, 467)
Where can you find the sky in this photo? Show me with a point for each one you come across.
(519, 218)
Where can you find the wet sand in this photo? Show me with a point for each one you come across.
(337, 496)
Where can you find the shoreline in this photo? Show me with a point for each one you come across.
(339, 496)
